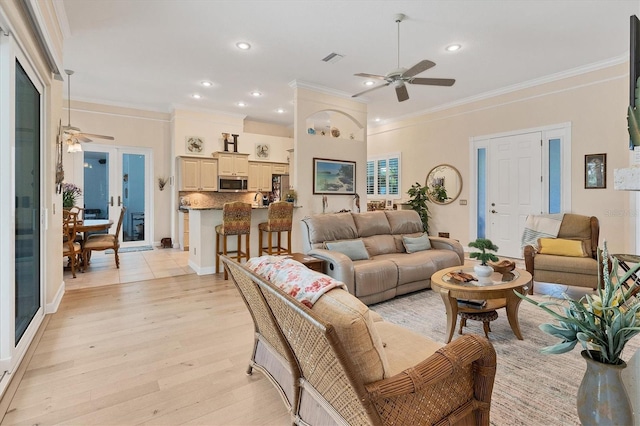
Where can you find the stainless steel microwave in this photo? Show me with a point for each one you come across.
(232, 183)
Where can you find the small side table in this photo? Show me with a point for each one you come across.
(622, 261)
(310, 262)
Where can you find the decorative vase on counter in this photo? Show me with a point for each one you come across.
(602, 397)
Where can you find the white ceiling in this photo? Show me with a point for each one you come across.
(153, 54)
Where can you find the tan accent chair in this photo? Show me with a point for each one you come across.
(236, 220)
(279, 220)
(340, 363)
(574, 271)
(70, 248)
(101, 242)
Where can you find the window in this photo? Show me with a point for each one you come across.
(383, 176)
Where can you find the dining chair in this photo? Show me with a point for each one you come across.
(70, 247)
(101, 242)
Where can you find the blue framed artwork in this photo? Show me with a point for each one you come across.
(334, 177)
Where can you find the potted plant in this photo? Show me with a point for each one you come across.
(291, 195)
(603, 323)
(439, 193)
(70, 193)
(418, 202)
(483, 244)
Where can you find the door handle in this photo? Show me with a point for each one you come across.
(493, 211)
(119, 201)
(111, 202)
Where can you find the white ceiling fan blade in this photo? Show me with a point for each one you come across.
(111, 138)
(401, 92)
(362, 74)
(82, 137)
(370, 90)
(433, 81)
(418, 68)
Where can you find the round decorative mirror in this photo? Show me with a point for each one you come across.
(444, 184)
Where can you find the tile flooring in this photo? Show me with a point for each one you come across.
(134, 266)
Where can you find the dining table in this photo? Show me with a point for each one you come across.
(88, 226)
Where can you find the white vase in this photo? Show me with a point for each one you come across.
(483, 271)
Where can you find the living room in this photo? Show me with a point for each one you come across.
(587, 103)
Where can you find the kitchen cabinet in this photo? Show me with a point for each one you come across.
(259, 176)
(185, 231)
(198, 174)
(232, 164)
(280, 169)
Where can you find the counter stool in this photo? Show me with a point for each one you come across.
(485, 317)
(236, 220)
(279, 220)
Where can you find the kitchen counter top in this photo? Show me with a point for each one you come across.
(188, 208)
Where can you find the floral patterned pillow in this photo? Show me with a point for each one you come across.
(292, 277)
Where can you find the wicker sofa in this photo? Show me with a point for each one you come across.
(338, 363)
(568, 270)
(389, 271)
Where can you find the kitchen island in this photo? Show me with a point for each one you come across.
(202, 236)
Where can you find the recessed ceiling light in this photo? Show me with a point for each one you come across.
(241, 104)
(280, 110)
(256, 93)
(369, 83)
(377, 119)
(453, 47)
(243, 45)
(196, 96)
(206, 83)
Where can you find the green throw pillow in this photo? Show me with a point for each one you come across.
(414, 244)
(355, 249)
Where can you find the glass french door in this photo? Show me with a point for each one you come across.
(115, 177)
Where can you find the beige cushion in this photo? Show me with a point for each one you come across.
(403, 348)
(404, 221)
(355, 328)
(374, 276)
(330, 227)
(380, 244)
(576, 227)
(576, 265)
(371, 223)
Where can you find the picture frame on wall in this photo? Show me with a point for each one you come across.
(194, 145)
(334, 177)
(262, 151)
(595, 171)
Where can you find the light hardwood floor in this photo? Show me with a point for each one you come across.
(163, 351)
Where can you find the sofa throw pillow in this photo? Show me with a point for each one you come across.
(414, 244)
(354, 249)
(562, 247)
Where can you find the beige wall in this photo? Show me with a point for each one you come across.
(594, 103)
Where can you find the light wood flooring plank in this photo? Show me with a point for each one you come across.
(165, 351)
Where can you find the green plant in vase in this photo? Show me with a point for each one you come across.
(418, 202)
(70, 194)
(485, 246)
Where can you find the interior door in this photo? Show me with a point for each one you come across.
(115, 177)
(514, 188)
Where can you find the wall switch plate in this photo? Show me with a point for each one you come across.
(463, 202)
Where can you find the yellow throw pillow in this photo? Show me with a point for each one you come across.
(562, 247)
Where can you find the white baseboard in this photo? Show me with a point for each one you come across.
(51, 308)
(202, 271)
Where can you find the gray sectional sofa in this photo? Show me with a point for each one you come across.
(385, 269)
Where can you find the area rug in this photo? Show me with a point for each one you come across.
(530, 388)
(130, 249)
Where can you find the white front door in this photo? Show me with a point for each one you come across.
(514, 188)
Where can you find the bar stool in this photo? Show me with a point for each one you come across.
(236, 220)
(279, 220)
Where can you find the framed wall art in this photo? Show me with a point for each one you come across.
(595, 171)
(195, 145)
(334, 176)
(262, 151)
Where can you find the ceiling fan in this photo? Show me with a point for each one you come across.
(73, 135)
(400, 76)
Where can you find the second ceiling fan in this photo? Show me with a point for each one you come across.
(400, 76)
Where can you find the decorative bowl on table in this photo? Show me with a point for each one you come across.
(503, 266)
